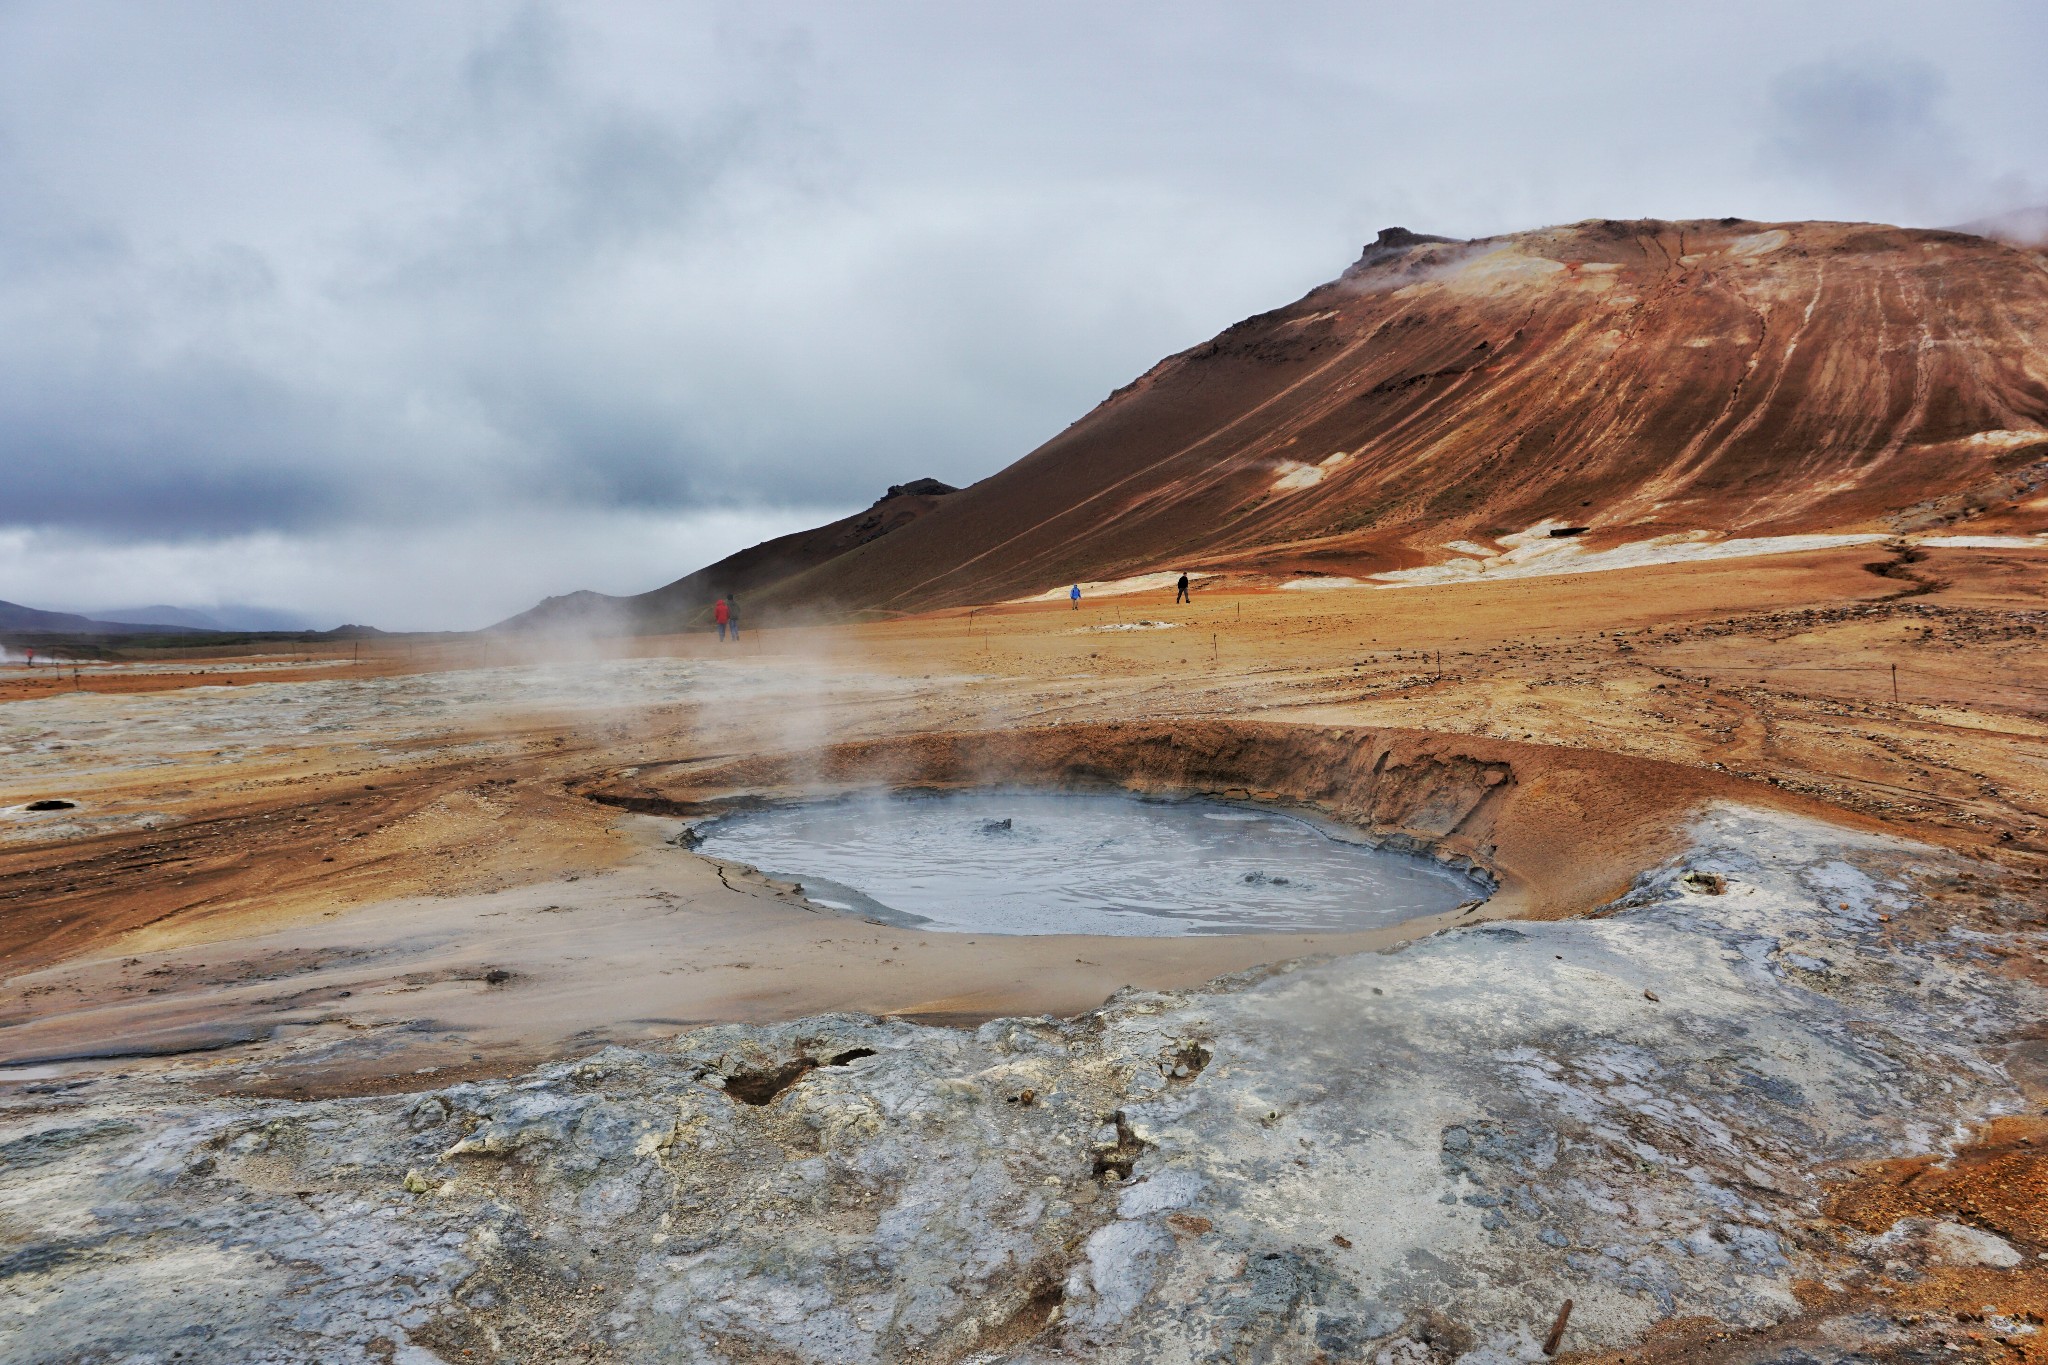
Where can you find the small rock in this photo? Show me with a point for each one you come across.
(1957, 1244)
(1650, 996)
(415, 1183)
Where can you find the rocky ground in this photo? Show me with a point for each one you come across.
(1394, 1156)
(1763, 1081)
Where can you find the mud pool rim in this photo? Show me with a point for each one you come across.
(907, 855)
(696, 816)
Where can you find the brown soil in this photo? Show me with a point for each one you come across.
(319, 840)
(26, 684)
(1555, 730)
(1770, 679)
(1997, 1182)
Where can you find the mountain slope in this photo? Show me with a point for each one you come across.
(752, 570)
(1634, 379)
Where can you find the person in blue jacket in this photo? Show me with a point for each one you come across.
(1075, 596)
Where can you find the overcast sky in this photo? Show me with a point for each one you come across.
(412, 313)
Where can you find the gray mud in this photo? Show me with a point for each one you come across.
(1042, 862)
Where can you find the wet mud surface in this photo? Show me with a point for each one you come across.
(1018, 861)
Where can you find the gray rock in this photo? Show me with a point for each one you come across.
(1959, 1244)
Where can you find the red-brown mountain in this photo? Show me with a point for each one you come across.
(749, 572)
(1635, 378)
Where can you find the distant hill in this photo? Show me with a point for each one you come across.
(30, 620)
(755, 570)
(228, 616)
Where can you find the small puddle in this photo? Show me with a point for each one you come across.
(1022, 862)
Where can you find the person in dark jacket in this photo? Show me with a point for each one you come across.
(1180, 593)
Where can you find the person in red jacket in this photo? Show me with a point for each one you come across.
(721, 613)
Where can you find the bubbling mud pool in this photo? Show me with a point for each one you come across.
(1022, 862)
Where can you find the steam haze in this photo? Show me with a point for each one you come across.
(414, 314)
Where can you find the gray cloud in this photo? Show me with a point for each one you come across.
(306, 276)
(1872, 129)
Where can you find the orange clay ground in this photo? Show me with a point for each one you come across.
(1774, 675)
(1914, 700)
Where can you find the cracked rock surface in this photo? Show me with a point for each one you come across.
(1402, 1157)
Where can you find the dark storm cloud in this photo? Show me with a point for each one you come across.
(323, 273)
(156, 457)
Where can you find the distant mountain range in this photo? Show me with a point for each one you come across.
(162, 620)
(30, 620)
(227, 616)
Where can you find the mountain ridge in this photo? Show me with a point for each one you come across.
(679, 604)
(35, 620)
(1637, 378)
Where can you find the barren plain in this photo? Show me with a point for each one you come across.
(376, 1009)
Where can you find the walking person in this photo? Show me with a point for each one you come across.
(1075, 597)
(721, 612)
(1180, 594)
(732, 616)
